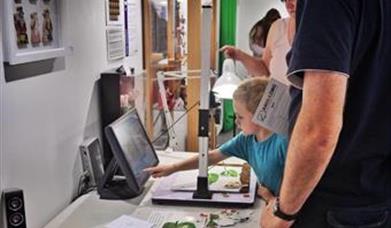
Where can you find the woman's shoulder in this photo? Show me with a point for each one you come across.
(279, 24)
(277, 30)
(280, 21)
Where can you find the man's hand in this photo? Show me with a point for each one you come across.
(269, 220)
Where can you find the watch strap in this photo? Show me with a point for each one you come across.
(282, 215)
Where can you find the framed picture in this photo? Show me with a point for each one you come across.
(114, 12)
(32, 30)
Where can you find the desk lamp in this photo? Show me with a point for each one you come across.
(226, 84)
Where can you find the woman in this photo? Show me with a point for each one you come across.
(279, 40)
(258, 33)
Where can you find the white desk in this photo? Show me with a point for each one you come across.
(90, 211)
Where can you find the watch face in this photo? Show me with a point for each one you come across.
(276, 207)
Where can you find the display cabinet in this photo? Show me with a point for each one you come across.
(32, 30)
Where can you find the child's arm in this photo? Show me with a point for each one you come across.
(214, 157)
(265, 193)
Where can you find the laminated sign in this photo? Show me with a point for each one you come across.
(273, 110)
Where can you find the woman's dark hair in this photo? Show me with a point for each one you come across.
(258, 33)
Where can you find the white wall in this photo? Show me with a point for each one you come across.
(45, 118)
(1, 107)
(248, 13)
(2, 171)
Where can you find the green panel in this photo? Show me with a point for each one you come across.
(227, 22)
(228, 121)
(227, 25)
(227, 37)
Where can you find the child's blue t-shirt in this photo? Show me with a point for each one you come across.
(267, 158)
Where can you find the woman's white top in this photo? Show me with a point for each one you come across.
(279, 48)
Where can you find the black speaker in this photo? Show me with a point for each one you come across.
(14, 208)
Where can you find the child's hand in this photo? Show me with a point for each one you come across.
(161, 170)
(265, 193)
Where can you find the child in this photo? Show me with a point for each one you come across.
(264, 150)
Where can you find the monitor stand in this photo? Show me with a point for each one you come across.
(114, 187)
(165, 194)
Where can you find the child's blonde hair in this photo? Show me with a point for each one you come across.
(250, 92)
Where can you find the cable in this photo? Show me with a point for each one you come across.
(172, 125)
(83, 185)
(79, 186)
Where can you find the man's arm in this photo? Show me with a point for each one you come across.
(314, 137)
(312, 144)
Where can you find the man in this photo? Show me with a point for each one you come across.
(338, 168)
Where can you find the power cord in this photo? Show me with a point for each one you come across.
(83, 186)
(172, 125)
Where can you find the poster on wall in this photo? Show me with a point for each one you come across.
(115, 43)
(126, 26)
(32, 30)
(115, 37)
(132, 27)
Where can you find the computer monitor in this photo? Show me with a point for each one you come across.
(133, 152)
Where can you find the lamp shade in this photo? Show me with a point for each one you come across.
(226, 84)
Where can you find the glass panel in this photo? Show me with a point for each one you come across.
(168, 44)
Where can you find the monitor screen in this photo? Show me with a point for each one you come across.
(132, 148)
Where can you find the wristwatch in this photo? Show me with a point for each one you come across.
(280, 214)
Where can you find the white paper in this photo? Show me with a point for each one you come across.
(159, 218)
(126, 221)
(227, 217)
(187, 180)
(132, 27)
(115, 43)
(273, 110)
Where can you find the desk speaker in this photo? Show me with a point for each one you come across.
(14, 208)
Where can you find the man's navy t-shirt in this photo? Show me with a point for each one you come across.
(352, 37)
